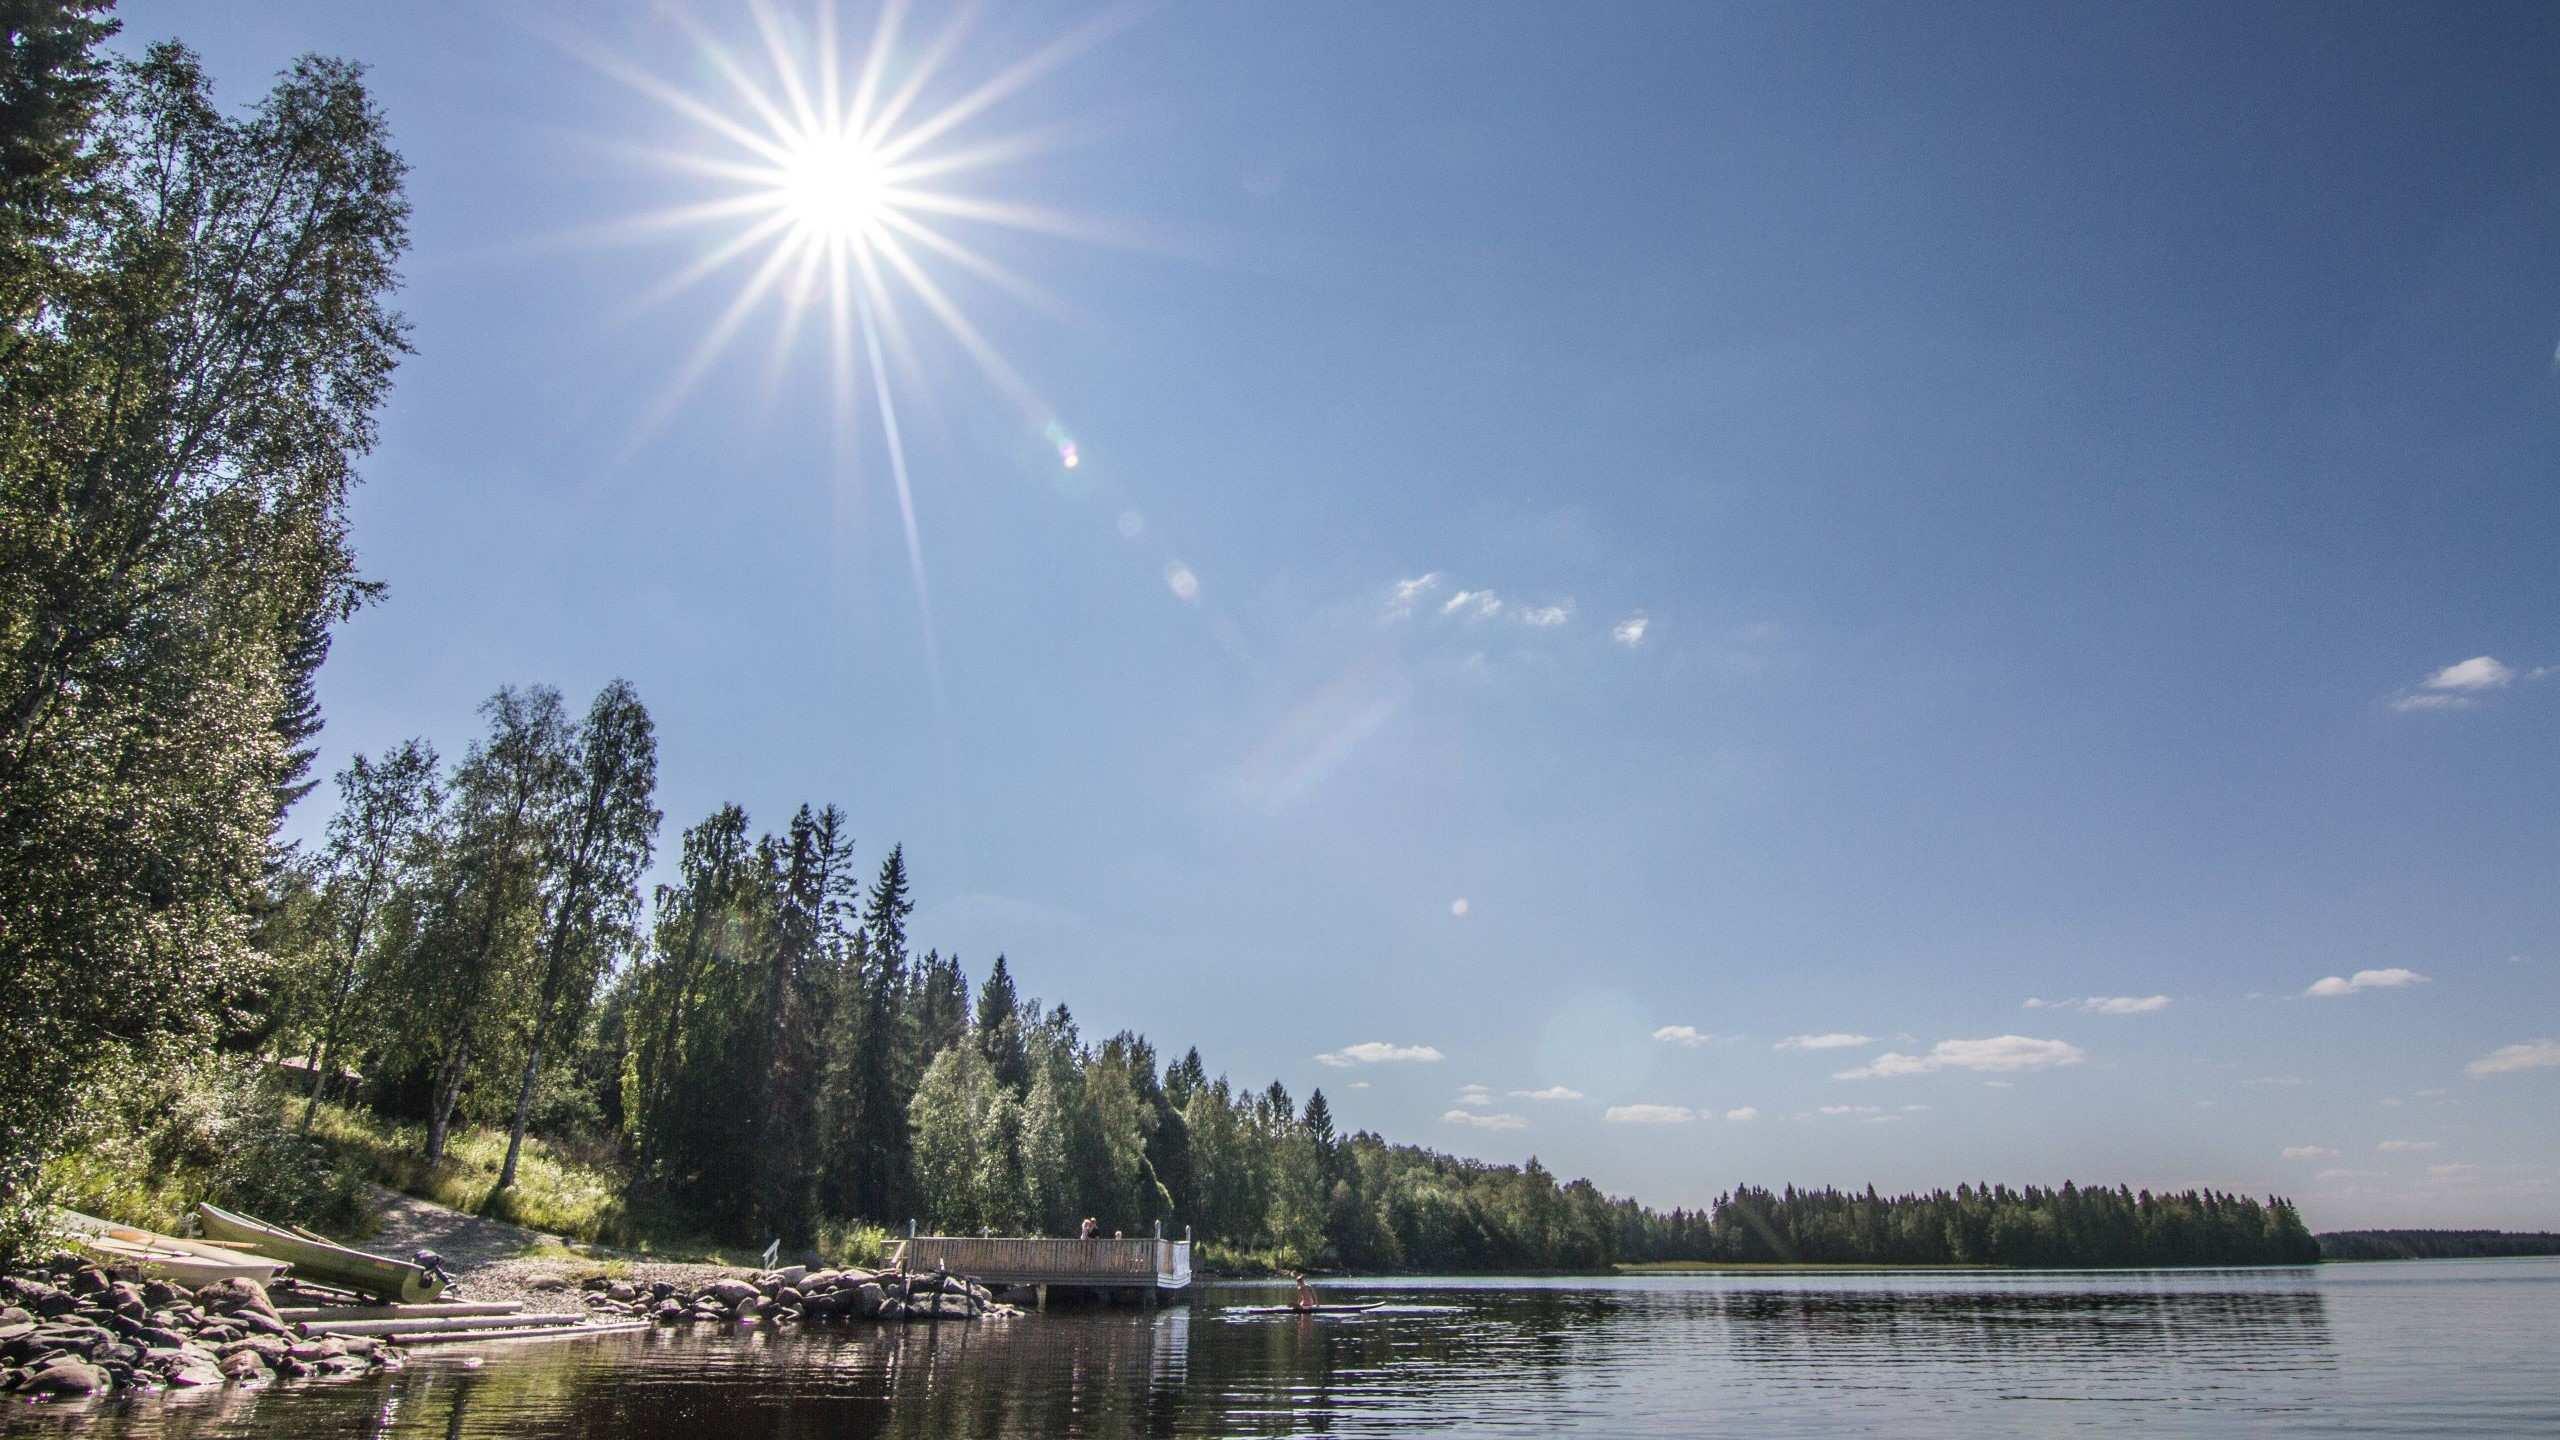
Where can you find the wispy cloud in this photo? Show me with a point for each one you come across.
(1473, 604)
(1475, 1096)
(1403, 595)
(2344, 1174)
(1687, 1035)
(1551, 1093)
(2330, 987)
(1828, 1040)
(2525, 1055)
(2309, 1152)
(1850, 1110)
(2407, 1147)
(1997, 1053)
(1478, 1120)
(2105, 1004)
(1649, 1115)
(2457, 686)
(1630, 631)
(1742, 1114)
(1547, 617)
(2480, 672)
(1379, 1052)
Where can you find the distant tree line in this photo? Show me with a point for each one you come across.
(2031, 1227)
(2435, 1244)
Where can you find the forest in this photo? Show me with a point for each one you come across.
(196, 341)
(2436, 1244)
(2027, 1228)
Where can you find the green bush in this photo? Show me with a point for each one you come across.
(215, 1131)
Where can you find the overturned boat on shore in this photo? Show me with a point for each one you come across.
(315, 1257)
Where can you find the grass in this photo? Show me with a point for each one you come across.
(559, 1190)
(554, 1191)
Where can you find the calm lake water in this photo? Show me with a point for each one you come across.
(2416, 1348)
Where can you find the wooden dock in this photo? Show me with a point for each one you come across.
(1151, 1267)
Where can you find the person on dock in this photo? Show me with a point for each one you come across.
(1306, 1293)
(1092, 1229)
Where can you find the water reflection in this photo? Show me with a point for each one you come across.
(2239, 1353)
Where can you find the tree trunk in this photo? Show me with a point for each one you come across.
(524, 1108)
(448, 1093)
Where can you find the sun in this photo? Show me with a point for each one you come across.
(846, 192)
(832, 185)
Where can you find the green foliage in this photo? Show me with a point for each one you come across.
(2030, 1227)
(2435, 1244)
(217, 1132)
(193, 346)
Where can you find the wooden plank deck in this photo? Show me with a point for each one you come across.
(1016, 1260)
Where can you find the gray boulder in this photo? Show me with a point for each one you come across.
(66, 1376)
(236, 1297)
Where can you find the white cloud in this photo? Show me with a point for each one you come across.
(2480, 672)
(1687, 1035)
(1649, 1115)
(2309, 1152)
(1852, 1110)
(2457, 686)
(1405, 594)
(1357, 1085)
(1474, 1121)
(2453, 1172)
(1999, 1084)
(1998, 1053)
(2406, 1147)
(1179, 579)
(1741, 1114)
(1474, 604)
(1458, 907)
(2529, 1055)
(1547, 617)
(1475, 1096)
(1831, 1040)
(2341, 1174)
(2105, 1004)
(1552, 1092)
(1630, 631)
(2330, 987)
(1379, 1052)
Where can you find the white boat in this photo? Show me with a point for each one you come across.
(192, 1263)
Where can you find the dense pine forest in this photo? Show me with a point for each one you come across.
(196, 340)
(2436, 1244)
(2029, 1228)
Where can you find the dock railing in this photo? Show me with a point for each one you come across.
(1019, 1260)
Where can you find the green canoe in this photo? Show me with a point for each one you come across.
(313, 1258)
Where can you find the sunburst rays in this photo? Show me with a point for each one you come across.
(836, 188)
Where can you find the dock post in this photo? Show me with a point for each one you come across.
(1040, 1297)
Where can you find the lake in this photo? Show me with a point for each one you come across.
(2433, 1348)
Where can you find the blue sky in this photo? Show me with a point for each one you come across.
(1808, 521)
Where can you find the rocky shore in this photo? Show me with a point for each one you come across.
(71, 1329)
(794, 1295)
